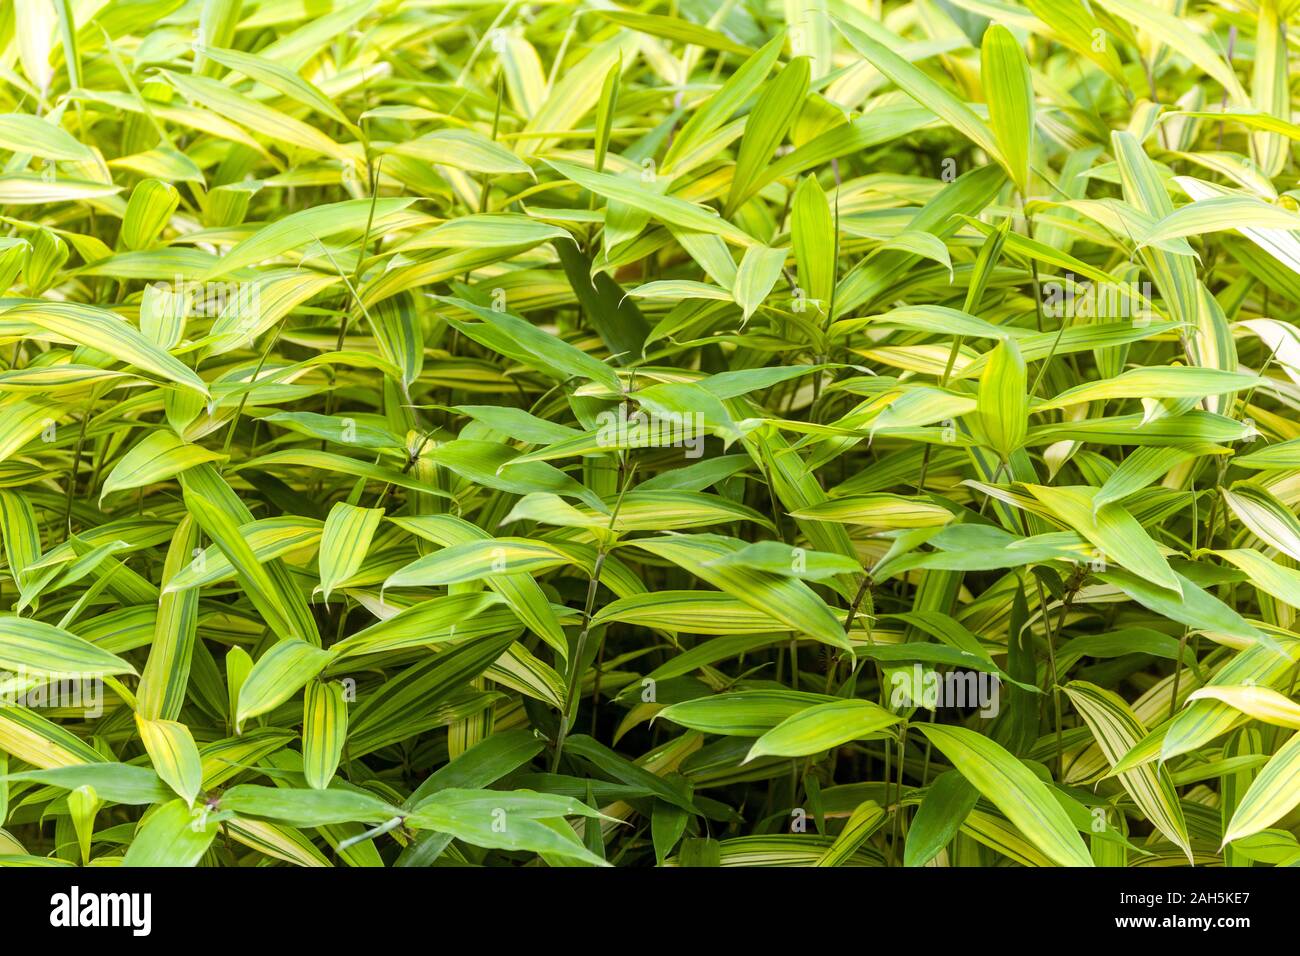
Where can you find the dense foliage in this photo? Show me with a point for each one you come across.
(747, 433)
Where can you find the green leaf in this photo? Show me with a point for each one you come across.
(268, 586)
(788, 600)
(947, 803)
(759, 270)
(1117, 730)
(307, 808)
(148, 211)
(766, 126)
(344, 542)
(1003, 405)
(37, 648)
(174, 754)
(1271, 520)
(324, 731)
(77, 324)
(518, 820)
(813, 229)
(1275, 792)
(23, 133)
(1115, 533)
(114, 782)
(172, 836)
(157, 457)
(1011, 787)
(920, 86)
(668, 209)
(279, 674)
(822, 727)
(463, 149)
(1009, 90)
(745, 713)
(307, 227)
(527, 343)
